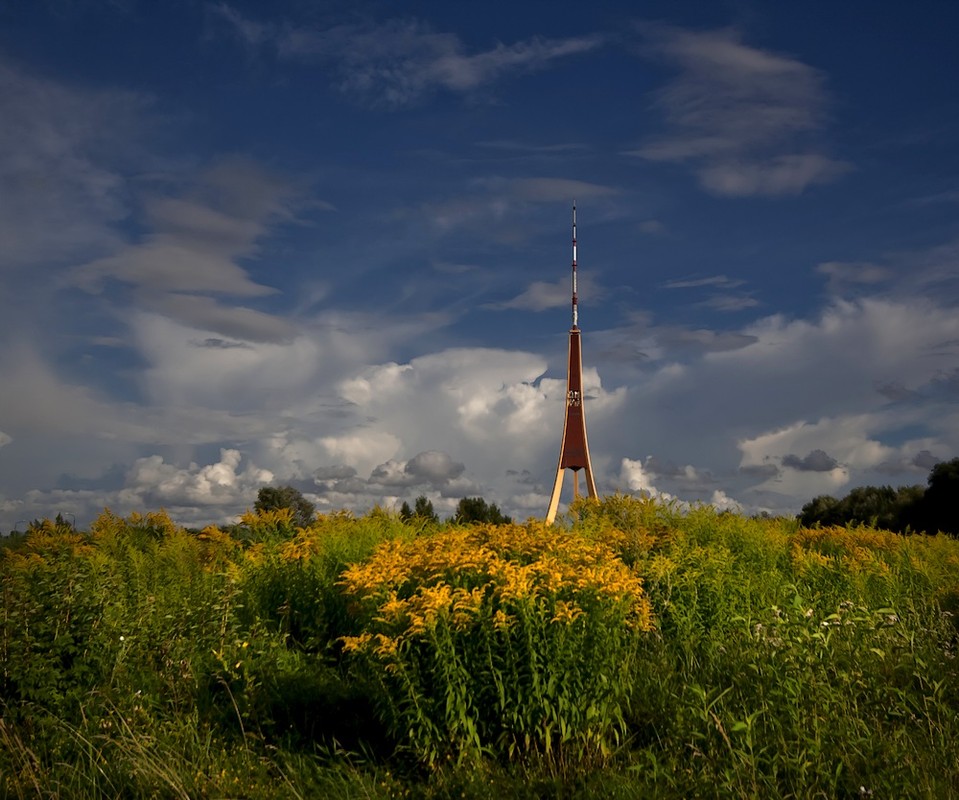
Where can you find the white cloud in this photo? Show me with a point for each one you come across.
(62, 186)
(544, 295)
(193, 495)
(193, 246)
(399, 62)
(362, 450)
(747, 120)
(845, 275)
(718, 281)
(217, 484)
(723, 502)
(634, 477)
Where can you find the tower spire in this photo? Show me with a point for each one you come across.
(575, 297)
(574, 450)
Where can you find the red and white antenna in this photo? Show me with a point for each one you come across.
(575, 299)
(574, 450)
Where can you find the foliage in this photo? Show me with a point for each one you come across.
(907, 509)
(422, 512)
(881, 506)
(638, 649)
(476, 509)
(510, 640)
(273, 498)
(938, 509)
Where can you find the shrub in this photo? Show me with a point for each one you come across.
(518, 641)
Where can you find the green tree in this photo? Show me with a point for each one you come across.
(871, 505)
(881, 506)
(939, 508)
(422, 511)
(475, 509)
(270, 498)
(821, 510)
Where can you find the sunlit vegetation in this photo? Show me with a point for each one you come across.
(637, 650)
(906, 510)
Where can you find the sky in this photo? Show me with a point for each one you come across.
(328, 245)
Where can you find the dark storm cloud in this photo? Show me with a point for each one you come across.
(815, 461)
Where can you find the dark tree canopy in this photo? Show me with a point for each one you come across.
(271, 498)
(475, 509)
(909, 508)
(422, 511)
(939, 508)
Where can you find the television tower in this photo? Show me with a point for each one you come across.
(574, 451)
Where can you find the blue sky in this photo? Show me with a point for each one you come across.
(328, 244)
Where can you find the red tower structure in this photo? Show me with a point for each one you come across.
(574, 450)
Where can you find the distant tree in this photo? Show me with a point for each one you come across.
(423, 508)
(879, 506)
(475, 509)
(908, 509)
(422, 511)
(271, 498)
(939, 508)
(821, 510)
(871, 505)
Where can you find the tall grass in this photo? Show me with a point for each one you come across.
(639, 649)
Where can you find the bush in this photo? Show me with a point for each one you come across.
(517, 641)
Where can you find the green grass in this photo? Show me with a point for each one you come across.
(139, 660)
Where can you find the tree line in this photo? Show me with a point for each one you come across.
(468, 510)
(909, 509)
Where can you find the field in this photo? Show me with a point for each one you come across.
(637, 650)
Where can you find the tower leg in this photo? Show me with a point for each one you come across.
(554, 498)
(590, 483)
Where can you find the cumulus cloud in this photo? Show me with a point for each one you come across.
(221, 483)
(400, 61)
(334, 473)
(427, 469)
(814, 461)
(637, 476)
(634, 477)
(686, 474)
(745, 119)
(433, 467)
(194, 494)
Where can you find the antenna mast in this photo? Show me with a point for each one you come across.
(575, 299)
(574, 451)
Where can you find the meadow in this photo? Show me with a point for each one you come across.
(635, 650)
